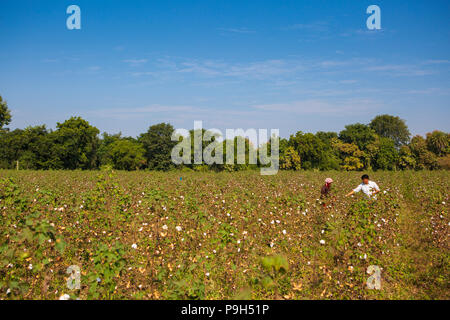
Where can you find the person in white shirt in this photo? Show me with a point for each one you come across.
(369, 188)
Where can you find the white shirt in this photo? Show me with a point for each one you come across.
(368, 189)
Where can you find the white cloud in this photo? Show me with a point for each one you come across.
(437, 62)
(127, 113)
(400, 70)
(318, 26)
(317, 106)
(260, 70)
(135, 62)
(433, 91)
(237, 30)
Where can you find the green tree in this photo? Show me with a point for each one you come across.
(352, 157)
(327, 137)
(158, 146)
(406, 158)
(309, 147)
(444, 162)
(76, 144)
(425, 159)
(37, 149)
(103, 153)
(330, 158)
(32, 147)
(359, 134)
(387, 156)
(391, 127)
(290, 160)
(11, 147)
(5, 114)
(126, 154)
(438, 142)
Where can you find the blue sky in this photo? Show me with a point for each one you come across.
(292, 65)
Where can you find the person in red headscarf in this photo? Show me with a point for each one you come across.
(325, 191)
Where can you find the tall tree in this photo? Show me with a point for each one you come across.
(32, 147)
(406, 158)
(5, 114)
(425, 159)
(309, 147)
(330, 158)
(158, 144)
(438, 142)
(327, 137)
(76, 144)
(391, 127)
(387, 155)
(359, 134)
(290, 160)
(126, 154)
(37, 149)
(103, 153)
(352, 157)
(11, 147)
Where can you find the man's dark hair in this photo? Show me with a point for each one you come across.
(365, 177)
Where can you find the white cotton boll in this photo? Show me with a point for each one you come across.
(64, 297)
(322, 241)
(134, 246)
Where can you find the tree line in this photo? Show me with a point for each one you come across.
(383, 144)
